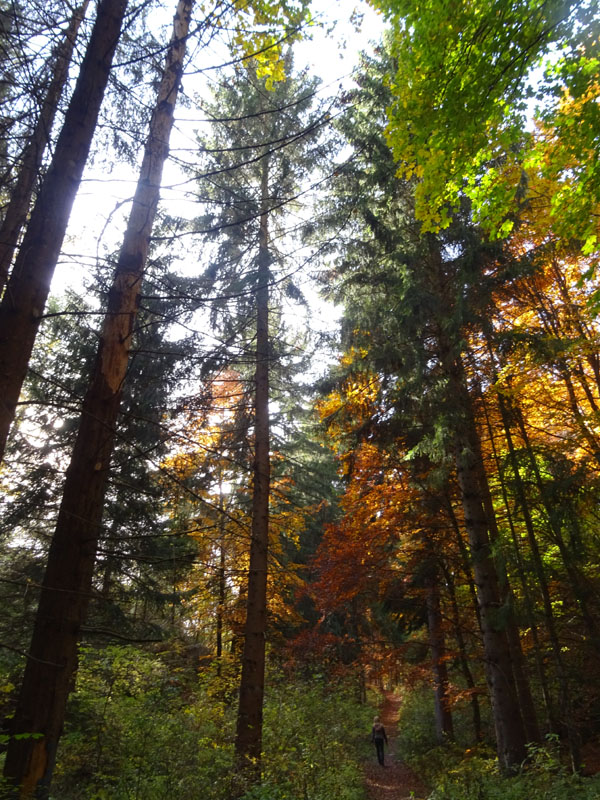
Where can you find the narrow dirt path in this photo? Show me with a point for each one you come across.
(395, 781)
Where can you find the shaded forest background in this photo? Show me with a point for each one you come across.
(315, 412)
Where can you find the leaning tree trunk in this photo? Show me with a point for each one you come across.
(27, 290)
(68, 580)
(248, 742)
(31, 161)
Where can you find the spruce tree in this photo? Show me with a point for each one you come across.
(439, 288)
(265, 141)
(22, 307)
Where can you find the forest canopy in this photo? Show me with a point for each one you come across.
(300, 380)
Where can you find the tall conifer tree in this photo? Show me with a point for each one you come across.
(68, 579)
(265, 142)
(435, 285)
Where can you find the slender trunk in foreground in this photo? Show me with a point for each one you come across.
(248, 743)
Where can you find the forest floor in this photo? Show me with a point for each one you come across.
(395, 781)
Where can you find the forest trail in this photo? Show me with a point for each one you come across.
(395, 781)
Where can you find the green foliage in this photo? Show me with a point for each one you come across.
(314, 740)
(151, 727)
(263, 26)
(134, 732)
(416, 725)
(417, 740)
(478, 778)
(456, 773)
(463, 84)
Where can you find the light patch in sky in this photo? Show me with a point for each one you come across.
(103, 203)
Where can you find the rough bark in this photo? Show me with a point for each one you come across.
(31, 160)
(68, 580)
(510, 734)
(522, 682)
(222, 582)
(525, 588)
(22, 307)
(248, 743)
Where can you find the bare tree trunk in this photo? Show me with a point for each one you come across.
(527, 595)
(222, 585)
(508, 723)
(437, 644)
(22, 307)
(248, 743)
(522, 682)
(68, 580)
(31, 161)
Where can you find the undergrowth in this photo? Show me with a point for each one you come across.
(140, 729)
(455, 771)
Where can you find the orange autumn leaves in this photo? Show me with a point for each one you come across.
(540, 356)
(209, 491)
(360, 553)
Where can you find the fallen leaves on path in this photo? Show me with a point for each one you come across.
(395, 781)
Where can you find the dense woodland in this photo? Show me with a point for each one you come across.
(305, 405)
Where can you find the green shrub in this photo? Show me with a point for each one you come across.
(314, 742)
(477, 778)
(140, 729)
(459, 772)
(136, 732)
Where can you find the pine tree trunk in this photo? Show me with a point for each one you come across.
(566, 722)
(525, 587)
(31, 161)
(248, 743)
(506, 711)
(22, 307)
(68, 580)
(538, 567)
(522, 682)
(222, 585)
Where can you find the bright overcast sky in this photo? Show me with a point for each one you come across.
(101, 207)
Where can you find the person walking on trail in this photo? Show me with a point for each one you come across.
(378, 737)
